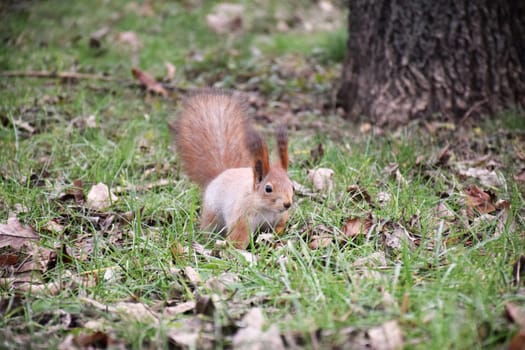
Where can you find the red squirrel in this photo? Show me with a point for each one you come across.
(222, 152)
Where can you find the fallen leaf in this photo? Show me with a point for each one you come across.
(487, 178)
(225, 18)
(204, 305)
(359, 193)
(192, 275)
(16, 235)
(149, 82)
(357, 226)
(365, 128)
(387, 336)
(100, 197)
(478, 201)
(393, 171)
(252, 336)
(95, 39)
(383, 198)
(321, 241)
(322, 178)
(170, 71)
(131, 39)
(520, 176)
(395, 235)
(180, 308)
(187, 333)
(516, 314)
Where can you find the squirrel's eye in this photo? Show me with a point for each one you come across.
(268, 188)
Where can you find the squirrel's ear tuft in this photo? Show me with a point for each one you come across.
(259, 151)
(282, 145)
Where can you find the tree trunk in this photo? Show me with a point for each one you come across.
(411, 59)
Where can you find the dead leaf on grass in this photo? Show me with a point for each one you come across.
(192, 275)
(354, 227)
(171, 70)
(94, 340)
(95, 39)
(226, 18)
(320, 236)
(520, 176)
(321, 178)
(16, 235)
(131, 39)
(383, 198)
(100, 197)
(516, 314)
(149, 82)
(478, 201)
(392, 170)
(395, 235)
(252, 335)
(359, 193)
(487, 178)
(181, 308)
(387, 336)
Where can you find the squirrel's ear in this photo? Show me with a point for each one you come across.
(282, 145)
(259, 151)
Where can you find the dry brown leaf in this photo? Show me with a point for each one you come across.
(131, 39)
(396, 235)
(149, 82)
(383, 198)
(187, 333)
(100, 197)
(387, 336)
(192, 275)
(487, 178)
(226, 18)
(520, 176)
(252, 335)
(516, 314)
(357, 226)
(478, 201)
(503, 217)
(322, 178)
(16, 235)
(359, 193)
(95, 39)
(365, 128)
(171, 70)
(180, 308)
(321, 241)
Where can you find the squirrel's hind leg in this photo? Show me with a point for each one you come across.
(239, 234)
(209, 220)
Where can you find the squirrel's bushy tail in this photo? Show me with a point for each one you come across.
(210, 135)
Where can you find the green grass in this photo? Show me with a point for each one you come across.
(448, 291)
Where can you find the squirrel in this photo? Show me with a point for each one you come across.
(222, 152)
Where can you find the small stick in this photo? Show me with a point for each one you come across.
(61, 75)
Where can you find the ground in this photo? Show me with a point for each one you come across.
(409, 238)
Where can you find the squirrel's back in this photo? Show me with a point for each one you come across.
(210, 135)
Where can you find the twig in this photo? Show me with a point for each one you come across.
(140, 188)
(61, 75)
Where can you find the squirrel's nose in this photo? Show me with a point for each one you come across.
(287, 205)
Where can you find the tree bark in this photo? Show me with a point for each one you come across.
(454, 59)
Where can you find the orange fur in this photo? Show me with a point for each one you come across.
(282, 146)
(210, 135)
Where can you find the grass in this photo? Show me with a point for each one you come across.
(448, 291)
